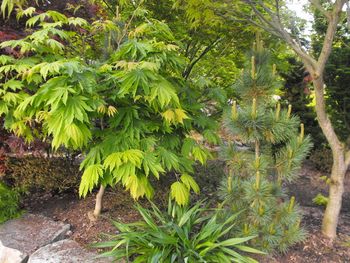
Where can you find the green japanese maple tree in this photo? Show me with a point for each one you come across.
(111, 88)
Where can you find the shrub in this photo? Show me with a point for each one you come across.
(32, 174)
(8, 203)
(275, 153)
(182, 234)
(320, 199)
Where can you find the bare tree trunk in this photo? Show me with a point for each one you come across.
(336, 189)
(98, 205)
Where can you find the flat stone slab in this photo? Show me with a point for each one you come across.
(64, 251)
(11, 255)
(30, 232)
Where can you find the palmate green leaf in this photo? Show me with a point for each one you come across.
(77, 21)
(163, 92)
(74, 135)
(168, 159)
(78, 133)
(20, 129)
(4, 59)
(180, 193)
(200, 154)
(151, 164)
(55, 45)
(187, 146)
(123, 172)
(59, 94)
(3, 108)
(6, 69)
(180, 115)
(134, 49)
(76, 108)
(90, 179)
(26, 12)
(113, 161)
(22, 44)
(133, 80)
(190, 182)
(24, 109)
(13, 84)
(94, 156)
(132, 184)
(50, 69)
(133, 156)
(12, 98)
(138, 186)
(8, 5)
(54, 15)
(211, 136)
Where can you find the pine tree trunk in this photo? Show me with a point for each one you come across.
(336, 189)
(98, 204)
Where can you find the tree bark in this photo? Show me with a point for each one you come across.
(336, 189)
(98, 204)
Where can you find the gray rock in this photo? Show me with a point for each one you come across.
(64, 251)
(31, 232)
(11, 255)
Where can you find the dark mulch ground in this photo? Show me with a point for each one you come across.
(118, 205)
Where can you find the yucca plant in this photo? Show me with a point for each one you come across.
(256, 177)
(181, 234)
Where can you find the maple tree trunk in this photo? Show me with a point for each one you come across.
(336, 188)
(98, 204)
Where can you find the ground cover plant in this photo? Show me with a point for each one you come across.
(9, 203)
(181, 234)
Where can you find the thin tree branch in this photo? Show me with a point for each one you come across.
(317, 4)
(109, 7)
(189, 68)
(275, 26)
(328, 40)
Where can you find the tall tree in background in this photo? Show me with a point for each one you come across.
(296, 92)
(270, 17)
(336, 74)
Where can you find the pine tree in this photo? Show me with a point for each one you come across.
(254, 184)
